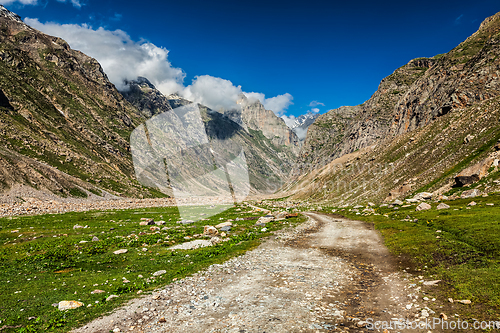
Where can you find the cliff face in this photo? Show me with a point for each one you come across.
(255, 117)
(466, 75)
(426, 122)
(63, 126)
(349, 128)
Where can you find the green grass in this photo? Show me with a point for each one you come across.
(466, 256)
(57, 265)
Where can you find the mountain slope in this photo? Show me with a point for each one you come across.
(269, 159)
(428, 121)
(63, 126)
(349, 128)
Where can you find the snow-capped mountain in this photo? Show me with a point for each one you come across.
(300, 124)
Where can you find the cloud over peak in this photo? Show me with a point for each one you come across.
(124, 60)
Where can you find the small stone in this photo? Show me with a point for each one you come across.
(158, 273)
(162, 320)
(472, 203)
(226, 228)
(450, 300)
(361, 324)
(443, 316)
(110, 297)
(97, 291)
(464, 301)
(121, 251)
(68, 305)
(116, 330)
(431, 283)
(95, 239)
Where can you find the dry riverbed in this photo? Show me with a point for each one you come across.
(329, 274)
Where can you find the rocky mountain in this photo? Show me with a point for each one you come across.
(300, 124)
(349, 128)
(63, 126)
(303, 121)
(145, 97)
(270, 147)
(254, 117)
(427, 122)
(65, 129)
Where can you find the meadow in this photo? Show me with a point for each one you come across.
(49, 258)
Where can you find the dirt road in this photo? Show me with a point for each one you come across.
(329, 274)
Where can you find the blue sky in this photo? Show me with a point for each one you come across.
(335, 53)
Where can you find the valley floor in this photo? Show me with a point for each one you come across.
(328, 274)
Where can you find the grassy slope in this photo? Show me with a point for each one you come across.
(35, 273)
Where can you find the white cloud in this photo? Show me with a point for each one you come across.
(23, 2)
(301, 132)
(278, 104)
(316, 103)
(75, 3)
(214, 92)
(289, 120)
(314, 110)
(121, 58)
(124, 59)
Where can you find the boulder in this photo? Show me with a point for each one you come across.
(423, 206)
(397, 202)
(264, 220)
(224, 224)
(68, 305)
(474, 173)
(412, 200)
(423, 196)
(442, 206)
(472, 203)
(468, 138)
(121, 251)
(291, 215)
(110, 297)
(97, 291)
(470, 194)
(398, 192)
(280, 215)
(210, 231)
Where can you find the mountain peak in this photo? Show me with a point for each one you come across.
(8, 14)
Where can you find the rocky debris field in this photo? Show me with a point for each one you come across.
(34, 206)
(328, 274)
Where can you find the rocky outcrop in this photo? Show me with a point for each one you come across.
(255, 117)
(349, 128)
(466, 75)
(145, 97)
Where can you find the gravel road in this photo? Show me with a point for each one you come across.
(328, 274)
